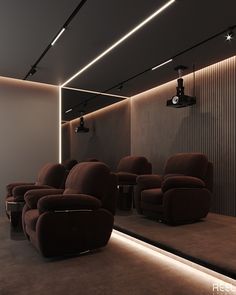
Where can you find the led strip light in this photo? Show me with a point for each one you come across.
(121, 40)
(181, 264)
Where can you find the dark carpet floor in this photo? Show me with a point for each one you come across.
(211, 241)
(116, 269)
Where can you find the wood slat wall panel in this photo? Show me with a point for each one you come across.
(209, 127)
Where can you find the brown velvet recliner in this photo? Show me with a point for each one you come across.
(76, 219)
(131, 166)
(69, 164)
(182, 194)
(50, 176)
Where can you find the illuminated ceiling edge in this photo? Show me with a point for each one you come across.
(151, 89)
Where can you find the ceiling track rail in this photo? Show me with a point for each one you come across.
(33, 68)
(120, 84)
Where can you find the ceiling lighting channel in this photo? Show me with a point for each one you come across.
(58, 36)
(95, 92)
(66, 24)
(162, 64)
(121, 40)
(68, 111)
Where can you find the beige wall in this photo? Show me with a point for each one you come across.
(28, 129)
(209, 127)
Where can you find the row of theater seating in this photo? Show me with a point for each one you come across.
(71, 209)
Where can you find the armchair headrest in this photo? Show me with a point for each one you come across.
(191, 164)
(91, 178)
(134, 164)
(52, 174)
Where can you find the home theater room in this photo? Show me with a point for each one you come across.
(118, 150)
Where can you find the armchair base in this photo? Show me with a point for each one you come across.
(69, 233)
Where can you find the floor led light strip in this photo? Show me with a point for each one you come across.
(179, 263)
(121, 40)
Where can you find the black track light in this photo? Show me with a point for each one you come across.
(33, 71)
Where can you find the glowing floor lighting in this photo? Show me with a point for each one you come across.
(180, 264)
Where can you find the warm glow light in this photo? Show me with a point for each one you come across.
(60, 141)
(58, 36)
(180, 264)
(162, 64)
(121, 40)
(95, 92)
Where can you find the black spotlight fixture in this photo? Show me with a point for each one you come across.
(81, 128)
(180, 100)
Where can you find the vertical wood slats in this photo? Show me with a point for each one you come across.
(209, 127)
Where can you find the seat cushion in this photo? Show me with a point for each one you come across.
(152, 196)
(30, 218)
(126, 178)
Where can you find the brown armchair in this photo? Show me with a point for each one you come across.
(131, 166)
(50, 176)
(182, 194)
(76, 219)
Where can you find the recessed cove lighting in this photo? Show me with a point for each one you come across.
(58, 36)
(121, 40)
(162, 64)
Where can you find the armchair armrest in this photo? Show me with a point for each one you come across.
(68, 202)
(182, 182)
(32, 196)
(12, 185)
(19, 191)
(149, 181)
(145, 182)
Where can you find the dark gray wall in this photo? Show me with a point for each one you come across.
(158, 132)
(29, 130)
(209, 127)
(109, 137)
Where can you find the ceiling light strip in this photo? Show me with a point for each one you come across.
(70, 18)
(162, 64)
(95, 92)
(58, 36)
(126, 36)
(70, 110)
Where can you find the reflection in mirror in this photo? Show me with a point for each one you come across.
(76, 103)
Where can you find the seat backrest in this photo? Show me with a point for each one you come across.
(69, 164)
(52, 174)
(190, 164)
(92, 178)
(134, 164)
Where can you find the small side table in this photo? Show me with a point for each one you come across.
(14, 211)
(125, 196)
